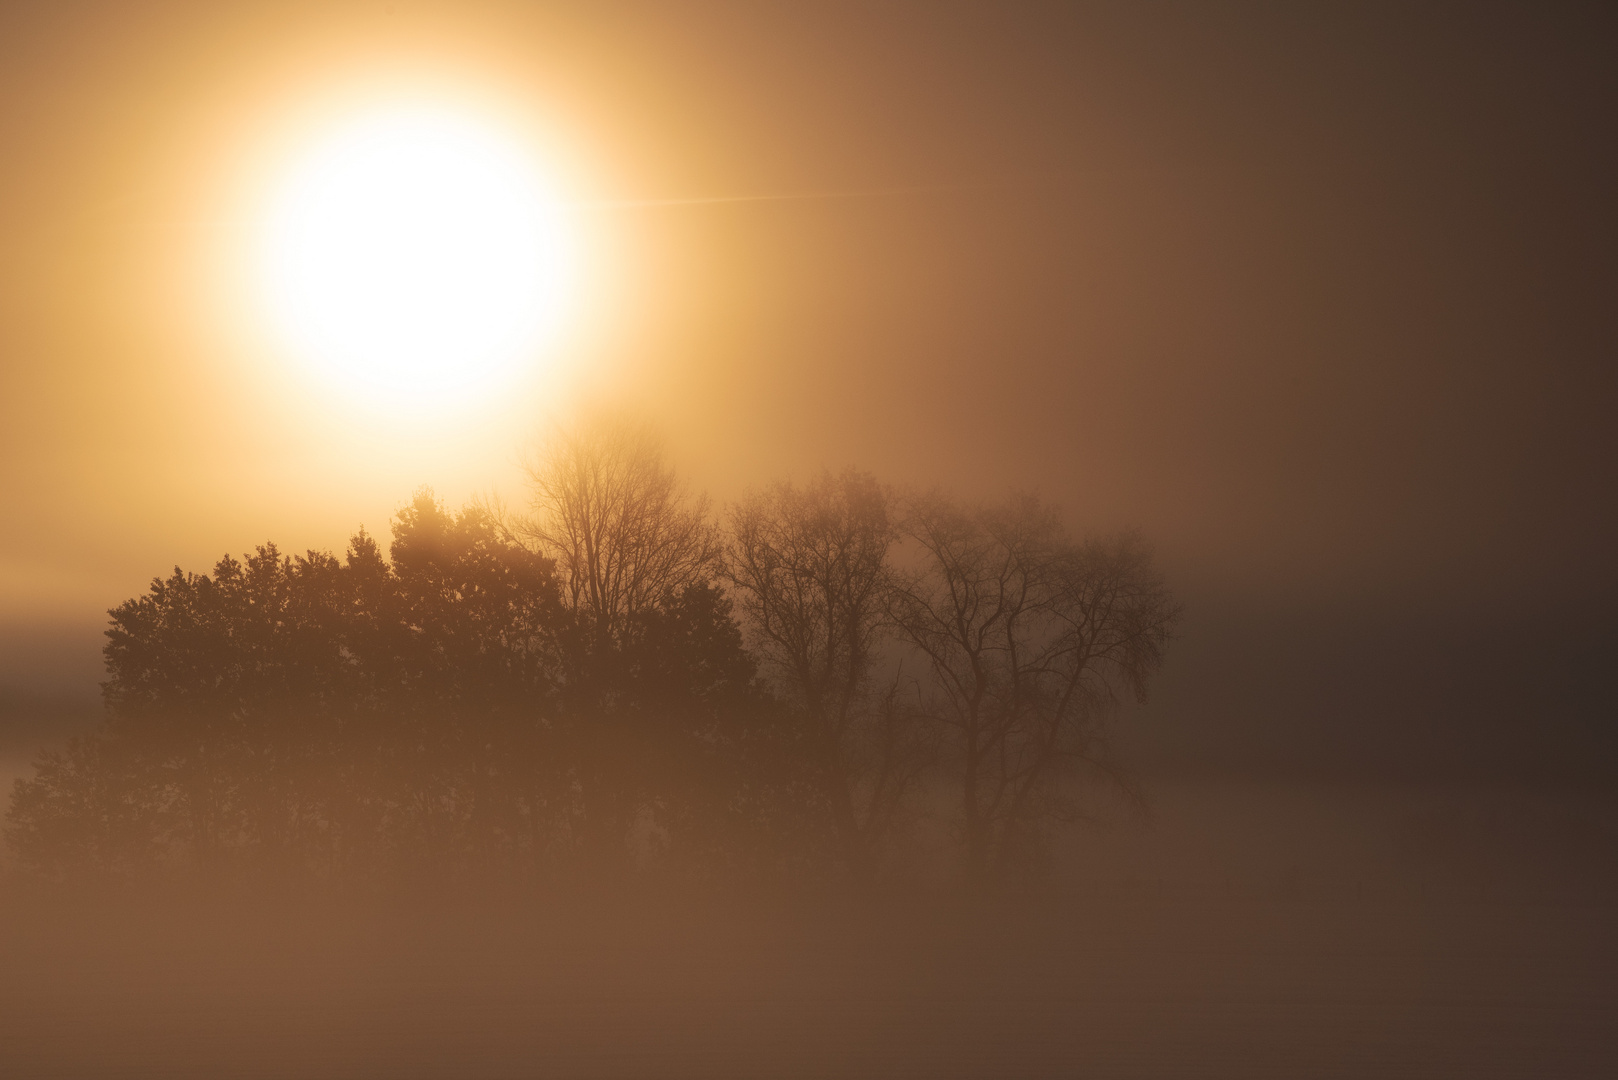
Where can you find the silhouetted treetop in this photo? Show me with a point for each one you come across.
(606, 505)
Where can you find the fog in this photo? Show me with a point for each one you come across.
(1291, 328)
(1256, 929)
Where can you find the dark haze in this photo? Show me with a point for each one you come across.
(1320, 301)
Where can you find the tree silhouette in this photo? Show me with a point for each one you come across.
(810, 567)
(356, 712)
(606, 505)
(573, 692)
(88, 807)
(1030, 639)
(306, 707)
(635, 557)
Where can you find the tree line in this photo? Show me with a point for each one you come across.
(614, 679)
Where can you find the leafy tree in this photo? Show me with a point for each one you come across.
(446, 705)
(461, 652)
(325, 711)
(224, 688)
(87, 808)
(715, 763)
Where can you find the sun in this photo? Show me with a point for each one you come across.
(412, 256)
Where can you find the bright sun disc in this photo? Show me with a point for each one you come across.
(413, 257)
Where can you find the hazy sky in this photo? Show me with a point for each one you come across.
(1326, 304)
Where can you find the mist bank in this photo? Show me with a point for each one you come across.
(1242, 929)
(1414, 689)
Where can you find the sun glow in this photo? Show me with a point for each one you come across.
(412, 256)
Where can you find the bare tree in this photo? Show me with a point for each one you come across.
(1031, 639)
(809, 566)
(606, 505)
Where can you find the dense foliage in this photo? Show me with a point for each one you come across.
(444, 704)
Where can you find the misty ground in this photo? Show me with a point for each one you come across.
(1248, 928)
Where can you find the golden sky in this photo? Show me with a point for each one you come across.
(1319, 327)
